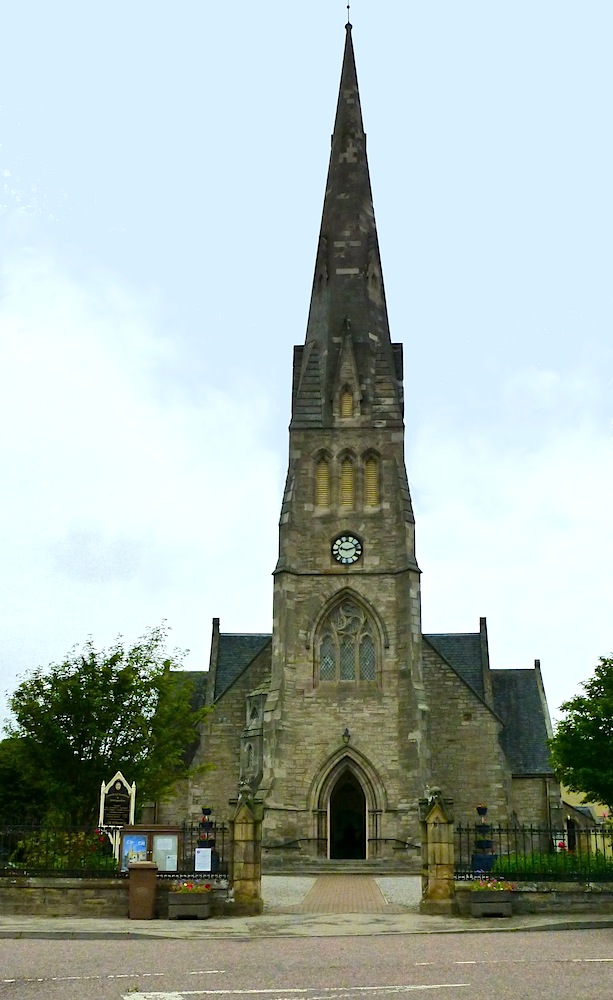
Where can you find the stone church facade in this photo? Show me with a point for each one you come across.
(339, 720)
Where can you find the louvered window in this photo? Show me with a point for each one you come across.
(347, 649)
(371, 482)
(347, 483)
(322, 483)
(346, 403)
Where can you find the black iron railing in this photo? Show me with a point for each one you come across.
(44, 850)
(533, 853)
(77, 852)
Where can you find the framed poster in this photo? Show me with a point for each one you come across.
(165, 851)
(204, 859)
(133, 848)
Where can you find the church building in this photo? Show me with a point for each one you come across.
(340, 720)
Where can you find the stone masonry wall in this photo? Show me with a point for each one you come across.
(467, 760)
(529, 800)
(64, 897)
(220, 745)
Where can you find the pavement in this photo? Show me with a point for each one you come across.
(317, 906)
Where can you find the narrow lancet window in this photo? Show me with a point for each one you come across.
(367, 658)
(327, 658)
(322, 483)
(347, 483)
(371, 482)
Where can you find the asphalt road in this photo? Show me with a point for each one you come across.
(505, 966)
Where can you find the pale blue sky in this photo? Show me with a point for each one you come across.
(163, 170)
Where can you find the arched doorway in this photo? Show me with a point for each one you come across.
(347, 818)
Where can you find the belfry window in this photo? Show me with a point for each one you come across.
(371, 482)
(347, 483)
(346, 403)
(322, 483)
(347, 649)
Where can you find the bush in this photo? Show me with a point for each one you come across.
(561, 864)
(62, 850)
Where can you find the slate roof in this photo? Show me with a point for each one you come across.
(463, 652)
(518, 702)
(235, 653)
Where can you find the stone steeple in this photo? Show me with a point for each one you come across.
(348, 314)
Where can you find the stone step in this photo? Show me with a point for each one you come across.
(301, 865)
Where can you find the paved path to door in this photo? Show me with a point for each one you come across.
(340, 894)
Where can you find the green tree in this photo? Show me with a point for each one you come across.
(22, 798)
(582, 746)
(81, 720)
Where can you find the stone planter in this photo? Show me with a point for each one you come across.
(189, 905)
(491, 903)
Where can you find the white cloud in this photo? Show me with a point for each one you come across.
(123, 501)
(522, 536)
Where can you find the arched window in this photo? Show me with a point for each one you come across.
(347, 483)
(346, 402)
(322, 483)
(250, 757)
(347, 648)
(371, 482)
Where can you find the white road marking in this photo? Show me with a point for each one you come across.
(109, 976)
(326, 996)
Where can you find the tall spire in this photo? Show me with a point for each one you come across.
(348, 298)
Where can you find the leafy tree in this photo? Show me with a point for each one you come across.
(80, 721)
(22, 798)
(582, 746)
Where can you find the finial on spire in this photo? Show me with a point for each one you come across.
(348, 25)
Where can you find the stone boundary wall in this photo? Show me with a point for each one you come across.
(550, 897)
(63, 897)
(75, 897)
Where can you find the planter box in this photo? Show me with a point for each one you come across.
(189, 905)
(491, 903)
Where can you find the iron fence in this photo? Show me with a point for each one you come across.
(204, 834)
(67, 851)
(529, 853)
(42, 850)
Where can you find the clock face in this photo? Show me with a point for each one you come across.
(346, 549)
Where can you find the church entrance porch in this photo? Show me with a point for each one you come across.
(347, 819)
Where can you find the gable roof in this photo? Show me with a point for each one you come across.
(518, 700)
(463, 652)
(236, 651)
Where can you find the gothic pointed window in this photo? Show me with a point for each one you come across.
(371, 482)
(347, 647)
(322, 483)
(346, 402)
(347, 483)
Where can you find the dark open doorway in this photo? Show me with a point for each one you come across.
(347, 818)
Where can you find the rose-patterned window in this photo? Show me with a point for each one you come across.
(347, 645)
